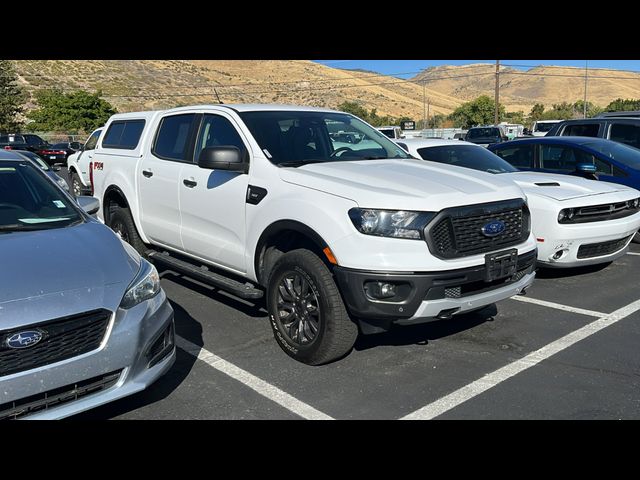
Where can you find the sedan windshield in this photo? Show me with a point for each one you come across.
(619, 152)
(467, 156)
(29, 201)
(294, 138)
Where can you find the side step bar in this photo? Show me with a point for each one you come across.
(242, 290)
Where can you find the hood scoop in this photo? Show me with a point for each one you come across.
(547, 184)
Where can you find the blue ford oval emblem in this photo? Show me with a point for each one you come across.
(24, 339)
(493, 228)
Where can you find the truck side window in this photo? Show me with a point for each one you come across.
(581, 130)
(625, 133)
(172, 139)
(217, 131)
(92, 141)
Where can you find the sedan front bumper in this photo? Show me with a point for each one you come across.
(138, 348)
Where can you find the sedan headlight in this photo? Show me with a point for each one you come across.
(390, 223)
(146, 285)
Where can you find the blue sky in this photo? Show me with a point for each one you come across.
(408, 68)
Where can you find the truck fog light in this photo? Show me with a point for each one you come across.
(379, 290)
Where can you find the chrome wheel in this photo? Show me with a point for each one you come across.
(76, 187)
(298, 309)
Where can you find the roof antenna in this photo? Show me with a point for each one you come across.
(218, 97)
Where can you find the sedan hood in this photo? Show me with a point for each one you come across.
(57, 272)
(561, 187)
(402, 184)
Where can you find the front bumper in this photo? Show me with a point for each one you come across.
(429, 295)
(565, 242)
(130, 348)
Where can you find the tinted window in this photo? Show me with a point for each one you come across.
(30, 201)
(172, 139)
(619, 152)
(563, 158)
(217, 131)
(625, 133)
(543, 127)
(60, 146)
(478, 158)
(388, 132)
(12, 139)
(123, 134)
(581, 130)
(34, 140)
(92, 141)
(483, 133)
(519, 157)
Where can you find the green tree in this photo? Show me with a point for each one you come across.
(370, 117)
(620, 105)
(536, 112)
(11, 98)
(514, 117)
(75, 111)
(476, 112)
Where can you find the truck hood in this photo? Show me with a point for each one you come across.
(52, 273)
(402, 184)
(561, 187)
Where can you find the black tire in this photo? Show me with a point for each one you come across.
(75, 185)
(335, 333)
(636, 238)
(121, 222)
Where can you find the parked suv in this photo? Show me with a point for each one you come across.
(619, 129)
(485, 136)
(261, 200)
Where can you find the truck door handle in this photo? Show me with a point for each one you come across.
(189, 183)
(147, 173)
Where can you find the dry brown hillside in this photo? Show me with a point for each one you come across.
(520, 90)
(148, 84)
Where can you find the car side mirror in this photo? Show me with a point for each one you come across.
(90, 205)
(588, 168)
(225, 157)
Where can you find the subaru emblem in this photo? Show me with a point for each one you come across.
(493, 228)
(24, 339)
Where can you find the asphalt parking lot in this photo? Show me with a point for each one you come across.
(567, 350)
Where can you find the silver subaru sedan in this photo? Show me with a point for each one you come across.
(71, 338)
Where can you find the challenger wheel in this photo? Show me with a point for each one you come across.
(306, 312)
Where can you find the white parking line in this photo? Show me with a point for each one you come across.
(492, 379)
(633, 253)
(258, 385)
(559, 306)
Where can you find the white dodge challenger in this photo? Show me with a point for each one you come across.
(576, 221)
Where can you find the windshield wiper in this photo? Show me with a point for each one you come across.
(16, 227)
(299, 163)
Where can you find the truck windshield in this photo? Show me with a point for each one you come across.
(543, 127)
(294, 138)
(467, 156)
(29, 201)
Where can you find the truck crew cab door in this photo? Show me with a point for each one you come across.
(213, 202)
(159, 179)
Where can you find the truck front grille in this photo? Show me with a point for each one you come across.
(457, 232)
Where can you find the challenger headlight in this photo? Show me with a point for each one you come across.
(635, 203)
(566, 215)
(146, 285)
(390, 223)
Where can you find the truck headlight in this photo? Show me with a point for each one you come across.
(146, 285)
(390, 223)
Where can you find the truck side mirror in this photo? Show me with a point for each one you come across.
(224, 157)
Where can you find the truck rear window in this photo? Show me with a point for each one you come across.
(123, 134)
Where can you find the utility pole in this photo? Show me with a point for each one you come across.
(424, 105)
(428, 108)
(495, 116)
(586, 73)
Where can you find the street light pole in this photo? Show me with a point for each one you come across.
(424, 105)
(586, 73)
(495, 116)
